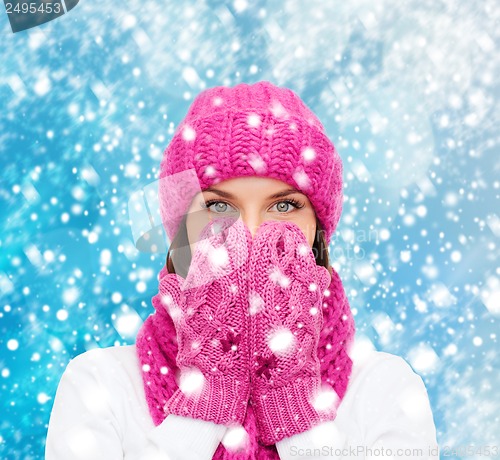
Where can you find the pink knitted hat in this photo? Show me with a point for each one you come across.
(250, 130)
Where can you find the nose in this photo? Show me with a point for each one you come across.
(252, 222)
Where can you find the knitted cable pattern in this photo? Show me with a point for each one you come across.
(157, 348)
(211, 319)
(286, 317)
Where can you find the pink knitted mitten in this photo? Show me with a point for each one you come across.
(210, 312)
(286, 294)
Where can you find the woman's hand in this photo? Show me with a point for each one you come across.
(286, 297)
(210, 312)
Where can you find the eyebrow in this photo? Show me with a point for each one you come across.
(281, 194)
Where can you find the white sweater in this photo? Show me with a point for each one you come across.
(100, 413)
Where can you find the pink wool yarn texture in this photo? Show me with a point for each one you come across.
(286, 292)
(320, 357)
(250, 130)
(210, 310)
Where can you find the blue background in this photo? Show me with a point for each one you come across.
(407, 91)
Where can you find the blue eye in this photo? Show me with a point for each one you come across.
(292, 202)
(222, 207)
(217, 209)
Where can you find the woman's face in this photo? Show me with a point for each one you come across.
(255, 200)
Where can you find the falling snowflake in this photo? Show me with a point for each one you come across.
(188, 133)
(191, 381)
(309, 154)
(281, 341)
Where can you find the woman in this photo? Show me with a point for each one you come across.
(250, 352)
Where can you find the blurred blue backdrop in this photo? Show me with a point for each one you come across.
(408, 93)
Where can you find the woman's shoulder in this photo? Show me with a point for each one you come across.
(381, 380)
(98, 354)
(114, 359)
(374, 366)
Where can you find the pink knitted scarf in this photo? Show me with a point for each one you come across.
(156, 346)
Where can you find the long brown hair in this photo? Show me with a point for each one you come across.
(179, 252)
